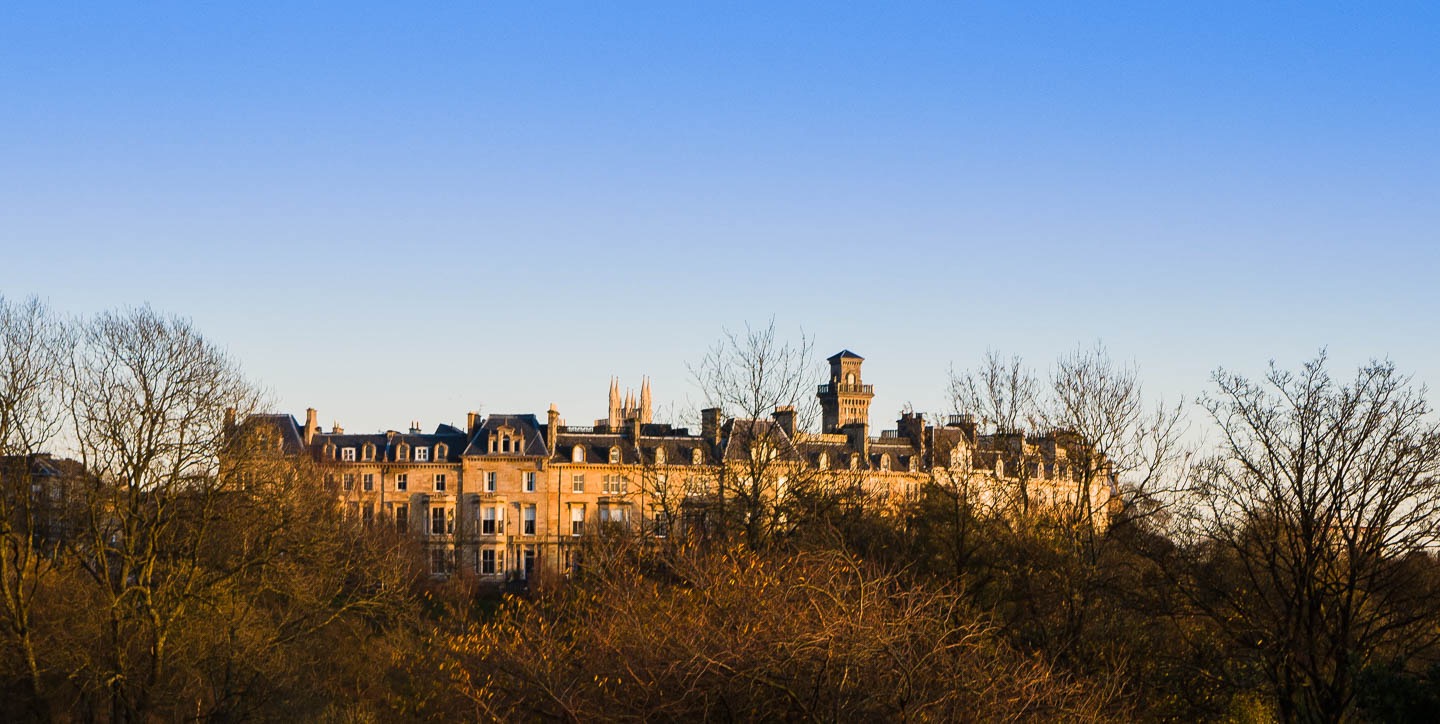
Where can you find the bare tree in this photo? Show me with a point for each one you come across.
(1002, 394)
(749, 377)
(1125, 443)
(1316, 520)
(148, 398)
(1001, 397)
(32, 342)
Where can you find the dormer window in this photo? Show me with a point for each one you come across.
(659, 456)
(696, 456)
(577, 454)
(823, 461)
(367, 453)
(347, 454)
(885, 461)
(441, 451)
(329, 451)
(402, 452)
(614, 455)
(422, 454)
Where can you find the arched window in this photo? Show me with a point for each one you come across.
(850, 378)
(823, 461)
(577, 454)
(402, 452)
(696, 456)
(441, 451)
(957, 456)
(614, 455)
(659, 456)
(885, 461)
(367, 452)
(854, 461)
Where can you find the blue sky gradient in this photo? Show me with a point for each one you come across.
(393, 211)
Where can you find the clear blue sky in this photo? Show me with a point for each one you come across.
(406, 210)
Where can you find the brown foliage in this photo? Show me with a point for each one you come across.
(740, 635)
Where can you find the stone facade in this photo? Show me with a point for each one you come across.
(510, 494)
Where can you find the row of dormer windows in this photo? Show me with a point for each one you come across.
(577, 455)
(403, 451)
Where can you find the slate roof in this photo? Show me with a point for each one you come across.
(387, 444)
(527, 427)
(292, 441)
(843, 354)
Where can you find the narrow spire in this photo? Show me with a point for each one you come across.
(614, 401)
(645, 413)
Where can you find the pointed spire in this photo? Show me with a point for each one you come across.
(614, 401)
(645, 414)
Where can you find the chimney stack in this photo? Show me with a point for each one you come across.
(312, 425)
(552, 428)
(785, 417)
(414, 427)
(858, 434)
(471, 420)
(710, 425)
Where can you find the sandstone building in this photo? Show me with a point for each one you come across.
(510, 492)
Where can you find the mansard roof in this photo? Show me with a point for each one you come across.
(387, 444)
(742, 432)
(292, 441)
(526, 426)
(844, 354)
(595, 446)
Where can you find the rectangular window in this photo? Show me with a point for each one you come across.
(529, 482)
(487, 561)
(661, 524)
(437, 521)
(330, 480)
(618, 515)
(529, 528)
(438, 562)
(490, 482)
(402, 517)
(616, 484)
(577, 519)
(368, 481)
(577, 484)
(349, 481)
(439, 482)
(401, 480)
(529, 562)
(422, 454)
(367, 514)
(347, 454)
(487, 520)
(450, 520)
